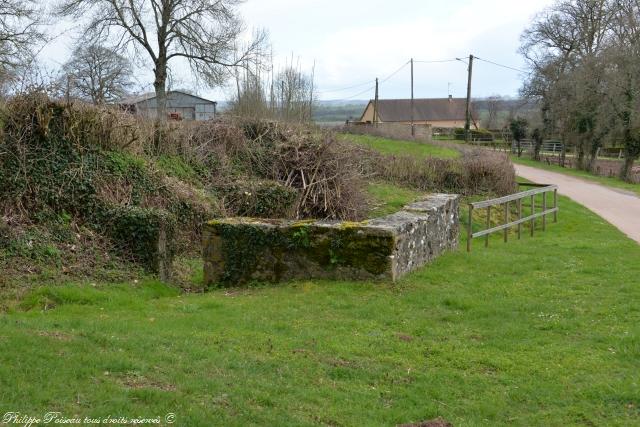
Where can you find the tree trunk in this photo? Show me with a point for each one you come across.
(580, 155)
(627, 166)
(159, 85)
(593, 157)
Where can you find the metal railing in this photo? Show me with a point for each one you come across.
(507, 224)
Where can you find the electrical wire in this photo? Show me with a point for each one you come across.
(500, 65)
(436, 62)
(395, 72)
(360, 93)
(346, 88)
(364, 83)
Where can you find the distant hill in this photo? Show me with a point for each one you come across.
(338, 111)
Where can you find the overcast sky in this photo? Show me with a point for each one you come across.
(354, 41)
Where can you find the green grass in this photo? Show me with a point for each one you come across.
(609, 181)
(388, 199)
(543, 331)
(397, 147)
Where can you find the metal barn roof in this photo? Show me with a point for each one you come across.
(136, 99)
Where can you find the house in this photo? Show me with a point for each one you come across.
(438, 113)
(180, 106)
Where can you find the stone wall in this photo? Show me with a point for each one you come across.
(240, 250)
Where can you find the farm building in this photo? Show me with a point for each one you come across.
(439, 113)
(180, 106)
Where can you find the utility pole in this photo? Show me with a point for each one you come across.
(413, 129)
(375, 106)
(467, 124)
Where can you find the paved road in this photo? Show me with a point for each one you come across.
(621, 208)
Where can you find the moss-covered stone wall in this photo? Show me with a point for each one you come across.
(240, 250)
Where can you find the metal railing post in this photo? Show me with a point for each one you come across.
(555, 205)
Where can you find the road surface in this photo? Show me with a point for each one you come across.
(621, 208)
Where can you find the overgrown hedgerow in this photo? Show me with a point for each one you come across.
(475, 172)
(104, 169)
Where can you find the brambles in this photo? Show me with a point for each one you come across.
(476, 172)
(100, 168)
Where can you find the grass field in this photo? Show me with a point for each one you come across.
(539, 332)
(611, 182)
(543, 331)
(388, 198)
(397, 147)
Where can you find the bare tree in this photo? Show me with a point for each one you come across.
(293, 94)
(494, 106)
(288, 95)
(563, 48)
(623, 89)
(19, 22)
(205, 33)
(97, 74)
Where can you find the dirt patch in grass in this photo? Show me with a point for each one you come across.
(136, 381)
(60, 336)
(438, 422)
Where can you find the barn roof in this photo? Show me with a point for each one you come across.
(132, 100)
(432, 109)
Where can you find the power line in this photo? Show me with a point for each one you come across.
(437, 61)
(345, 88)
(364, 83)
(501, 65)
(360, 93)
(395, 72)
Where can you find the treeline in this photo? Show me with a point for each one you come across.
(585, 62)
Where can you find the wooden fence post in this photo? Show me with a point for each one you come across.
(470, 229)
(544, 211)
(486, 238)
(506, 221)
(519, 219)
(533, 212)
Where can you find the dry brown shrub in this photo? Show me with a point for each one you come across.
(476, 172)
(489, 172)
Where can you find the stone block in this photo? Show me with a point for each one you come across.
(240, 250)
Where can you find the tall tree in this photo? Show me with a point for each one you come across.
(19, 23)
(623, 89)
(206, 33)
(563, 48)
(494, 105)
(97, 74)
(519, 127)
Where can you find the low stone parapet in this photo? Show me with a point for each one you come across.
(240, 250)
